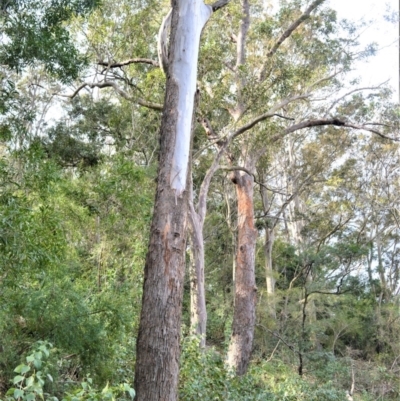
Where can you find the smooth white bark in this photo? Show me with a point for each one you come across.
(193, 16)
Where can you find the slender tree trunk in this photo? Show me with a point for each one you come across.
(198, 312)
(269, 242)
(157, 361)
(268, 245)
(380, 268)
(197, 218)
(269, 272)
(241, 343)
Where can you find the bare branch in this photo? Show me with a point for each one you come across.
(294, 25)
(373, 131)
(284, 117)
(313, 123)
(333, 231)
(288, 32)
(214, 138)
(149, 105)
(333, 75)
(238, 168)
(265, 116)
(219, 4)
(276, 335)
(337, 292)
(353, 91)
(128, 62)
(120, 91)
(336, 122)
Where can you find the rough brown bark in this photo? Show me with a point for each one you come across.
(157, 362)
(158, 348)
(241, 343)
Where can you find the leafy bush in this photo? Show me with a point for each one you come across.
(204, 376)
(33, 381)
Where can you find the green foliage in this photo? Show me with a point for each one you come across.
(35, 32)
(33, 381)
(84, 238)
(203, 375)
(31, 375)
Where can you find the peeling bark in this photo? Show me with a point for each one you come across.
(162, 45)
(158, 352)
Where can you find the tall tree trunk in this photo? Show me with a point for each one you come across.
(269, 272)
(198, 312)
(269, 242)
(244, 316)
(380, 267)
(157, 361)
(197, 218)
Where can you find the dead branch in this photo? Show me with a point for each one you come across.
(336, 122)
(128, 62)
(276, 335)
(219, 4)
